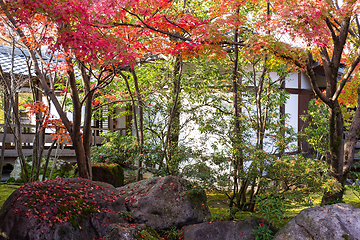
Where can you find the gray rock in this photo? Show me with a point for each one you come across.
(357, 182)
(164, 203)
(131, 232)
(16, 172)
(230, 230)
(349, 182)
(113, 174)
(336, 222)
(61, 209)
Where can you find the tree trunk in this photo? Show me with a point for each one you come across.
(76, 136)
(7, 116)
(48, 158)
(87, 117)
(175, 126)
(17, 135)
(141, 120)
(133, 105)
(342, 155)
(238, 164)
(173, 131)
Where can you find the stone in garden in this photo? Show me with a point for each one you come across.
(16, 172)
(349, 182)
(126, 231)
(164, 203)
(357, 182)
(336, 222)
(61, 209)
(229, 230)
(108, 173)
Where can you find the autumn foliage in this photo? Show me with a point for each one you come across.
(49, 121)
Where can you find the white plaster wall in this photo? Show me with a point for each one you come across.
(273, 76)
(305, 82)
(291, 108)
(190, 134)
(292, 81)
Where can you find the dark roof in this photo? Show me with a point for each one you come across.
(20, 58)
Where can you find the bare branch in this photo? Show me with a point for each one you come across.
(311, 74)
(330, 26)
(110, 103)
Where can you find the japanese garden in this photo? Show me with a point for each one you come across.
(179, 119)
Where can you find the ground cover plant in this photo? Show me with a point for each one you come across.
(218, 205)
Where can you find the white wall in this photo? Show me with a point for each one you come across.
(292, 81)
(305, 82)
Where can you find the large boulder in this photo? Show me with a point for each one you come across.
(229, 230)
(108, 173)
(336, 222)
(164, 203)
(61, 209)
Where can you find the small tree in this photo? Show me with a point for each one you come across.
(330, 32)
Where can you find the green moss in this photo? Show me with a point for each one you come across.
(74, 223)
(62, 231)
(351, 198)
(5, 191)
(15, 182)
(148, 234)
(115, 170)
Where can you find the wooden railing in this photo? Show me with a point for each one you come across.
(27, 139)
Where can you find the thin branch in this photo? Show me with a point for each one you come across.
(330, 26)
(346, 77)
(147, 26)
(357, 24)
(104, 82)
(171, 22)
(311, 74)
(109, 103)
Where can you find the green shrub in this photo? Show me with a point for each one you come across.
(115, 149)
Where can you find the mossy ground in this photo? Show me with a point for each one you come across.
(218, 205)
(5, 191)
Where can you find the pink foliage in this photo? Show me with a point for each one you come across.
(106, 31)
